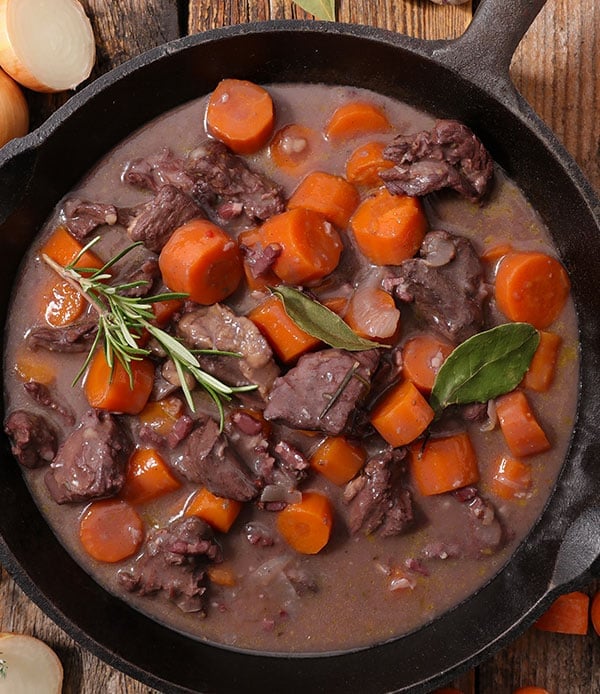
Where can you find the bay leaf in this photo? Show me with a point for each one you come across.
(317, 320)
(320, 9)
(485, 366)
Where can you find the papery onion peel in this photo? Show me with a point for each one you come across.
(14, 112)
(28, 665)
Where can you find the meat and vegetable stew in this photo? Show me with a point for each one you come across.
(293, 369)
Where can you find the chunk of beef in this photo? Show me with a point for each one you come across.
(42, 395)
(247, 435)
(91, 462)
(158, 170)
(33, 439)
(144, 271)
(157, 219)
(447, 156)
(323, 391)
(77, 337)
(217, 327)
(81, 217)
(173, 564)
(377, 498)
(447, 296)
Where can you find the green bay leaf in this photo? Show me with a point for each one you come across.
(320, 9)
(485, 366)
(317, 320)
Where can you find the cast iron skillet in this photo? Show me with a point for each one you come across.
(467, 79)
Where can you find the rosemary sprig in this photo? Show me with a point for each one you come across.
(122, 320)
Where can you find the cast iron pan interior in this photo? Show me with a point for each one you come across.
(559, 553)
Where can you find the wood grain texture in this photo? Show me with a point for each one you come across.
(557, 69)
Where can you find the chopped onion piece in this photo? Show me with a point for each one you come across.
(29, 665)
(46, 45)
(277, 492)
(14, 113)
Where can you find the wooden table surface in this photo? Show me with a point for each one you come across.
(556, 69)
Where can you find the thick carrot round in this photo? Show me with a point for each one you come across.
(511, 478)
(333, 196)
(112, 390)
(531, 287)
(201, 260)
(293, 147)
(148, 477)
(63, 304)
(356, 118)
(422, 357)
(338, 459)
(522, 432)
(217, 511)
(64, 248)
(306, 526)
(111, 530)
(444, 464)
(365, 163)
(389, 228)
(402, 415)
(541, 372)
(595, 613)
(568, 614)
(372, 313)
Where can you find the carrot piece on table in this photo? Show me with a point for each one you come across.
(365, 163)
(531, 690)
(111, 530)
(64, 304)
(402, 415)
(372, 313)
(511, 479)
(310, 246)
(595, 613)
(522, 432)
(422, 357)
(540, 375)
(338, 459)
(306, 526)
(568, 614)
(240, 114)
(161, 415)
(333, 196)
(63, 249)
(201, 260)
(444, 464)
(356, 118)
(112, 390)
(389, 228)
(32, 366)
(293, 147)
(285, 337)
(217, 511)
(148, 477)
(531, 287)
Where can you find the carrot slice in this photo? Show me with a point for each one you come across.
(306, 526)
(402, 415)
(63, 249)
(201, 260)
(595, 613)
(365, 163)
(531, 287)
(338, 459)
(240, 114)
(372, 313)
(217, 511)
(112, 390)
(444, 464)
(531, 690)
(356, 118)
(64, 304)
(541, 372)
(422, 357)
(568, 614)
(333, 196)
(111, 530)
(293, 147)
(285, 337)
(148, 477)
(389, 228)
(520, 428)
(511, 479)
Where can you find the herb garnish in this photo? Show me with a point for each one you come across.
(123, 319)
(320, 9)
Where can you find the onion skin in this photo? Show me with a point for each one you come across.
(14, 112)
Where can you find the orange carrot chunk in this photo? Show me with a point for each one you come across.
(306, 525)
(531, 690)
(531, 287)
(285, 337)
(338, 459)
(402, 415)
(293, 147)
(64, 304)
(595, 613)
(161, 415)
(333, 196)
(389, 228)
(511, 478)
(217, 511)
(111, 530)
(372, 313)
(522, 432)
(240, 114)
(541, 372)
(568, 614)
(34, 366)
(112, 390)
(148, 477)
(201, 260)
(444, 464)
(356, 118)
(365, 163)
(63, 249)
(422, 357)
